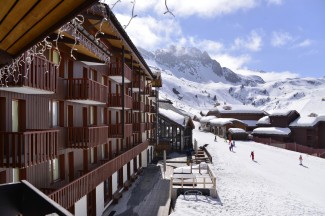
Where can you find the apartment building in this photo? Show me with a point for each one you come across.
(76, 120)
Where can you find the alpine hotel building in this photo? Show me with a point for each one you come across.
(76, 120)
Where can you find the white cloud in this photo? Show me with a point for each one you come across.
(253, 42)
(280, 38)
(230, 61)
(185, 8)
(305, 43)
(275, 2)
(150, 33)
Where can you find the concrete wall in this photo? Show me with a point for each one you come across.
(144, 158)
(100, 199)
(125, 173)
(80, 207)
(114, 182)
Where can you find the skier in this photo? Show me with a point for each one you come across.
(231, 147)
(300, 159)
(252, 155)
(229, 139)
(215, 138)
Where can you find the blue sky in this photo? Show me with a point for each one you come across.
(270, 35)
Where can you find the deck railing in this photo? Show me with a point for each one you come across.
(139, 106)
(42, 74)
(115, 100)
(86, 89)
(138, 83)
(75, 190)
(86, 137)
(115, 130)
(139, 127)
(115, 69)
(23, 149)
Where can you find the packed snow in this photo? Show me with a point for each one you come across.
(272, 130)
(273, 184)
(236, 130)
(264, 120)
(307, 121)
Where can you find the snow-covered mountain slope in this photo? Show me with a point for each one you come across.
(275, 184)
(195, 82)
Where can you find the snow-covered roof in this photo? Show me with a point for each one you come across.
(237, 109)
(249, 123)
(204, 112)
(307, 121)
(272, 130)
(264, 120)
(206, 119)
(174, 116)
(236, 130)
(280, 112)
(221, 121)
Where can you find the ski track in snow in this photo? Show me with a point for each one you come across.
(274, 185)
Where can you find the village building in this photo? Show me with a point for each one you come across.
(76, 108)
(175, 127)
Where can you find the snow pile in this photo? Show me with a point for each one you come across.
(280, 112)
(221, 121)
(206, 119)
(236, 130)
(264, 120)
(275, 184)
(238, 109)
(307, 121)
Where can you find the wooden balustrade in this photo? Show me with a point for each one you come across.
(115, 70)
(23, 149)
(85, 89)
(42, 74)
(86, 137)
(115, 130)
(136, 84)
(147, 108)
(75, 190)
(139, 127)
(115, 101)
(153, 93)
(147, 90)
(138, 106)
(153, 110)
(149, 125)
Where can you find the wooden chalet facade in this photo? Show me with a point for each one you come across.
(240, 112)
(175, 127)
(76, 123)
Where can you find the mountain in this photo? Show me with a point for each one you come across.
(194, 81)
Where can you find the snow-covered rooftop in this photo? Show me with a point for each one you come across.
(236, 130)
(264, 120)
(249, 123)
(272, 130)
(206, 119)
(279, 112)
(237, 109)
(174, 116)
(307, 121)
(221, 121)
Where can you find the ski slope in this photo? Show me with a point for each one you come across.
(275, 184)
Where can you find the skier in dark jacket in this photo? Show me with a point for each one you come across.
(252, 155)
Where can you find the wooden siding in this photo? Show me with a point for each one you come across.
(86, 137)
(115, 100)
(115, 69)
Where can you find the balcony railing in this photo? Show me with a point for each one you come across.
(115, 130)
(23, 149)
(115, 101)
(149, 125)
(153, 93)
(75, 190)
(153, 110)
(86, 91)
(139, 127)
(115, 72)
(147, 90)
(138, 106)
(41, 78)
(86, 137)
(147, 108)
(136, 84)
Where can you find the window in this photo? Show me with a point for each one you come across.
(92, 115)
(56, 57)
(14, 115)
(54, 170)
(55, 113)
(102, 115)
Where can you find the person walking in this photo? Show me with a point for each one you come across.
(300, 159)
(252, 155)
(231, 147)
(215, 138)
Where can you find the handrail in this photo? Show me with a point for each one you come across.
(86, 137)
(115, 69)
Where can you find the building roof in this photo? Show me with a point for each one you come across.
(206, 119)
(272, 131)
(249, 123)
(222, 121)
(240, 109)
(24, 23)
(307, 121)
(281, 112)
(174, 116)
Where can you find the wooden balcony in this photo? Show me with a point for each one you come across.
(86, 137)
(86, 91)
(139, 127)
(115, 130)
(41, 78)
(115, 72)
(153, 110)
(115, 101)
(137, 85)
(75, 190)
(149, 125)
(147, 108)
(23, 149)
(147, 90)
(138, 106)
(153, 94)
